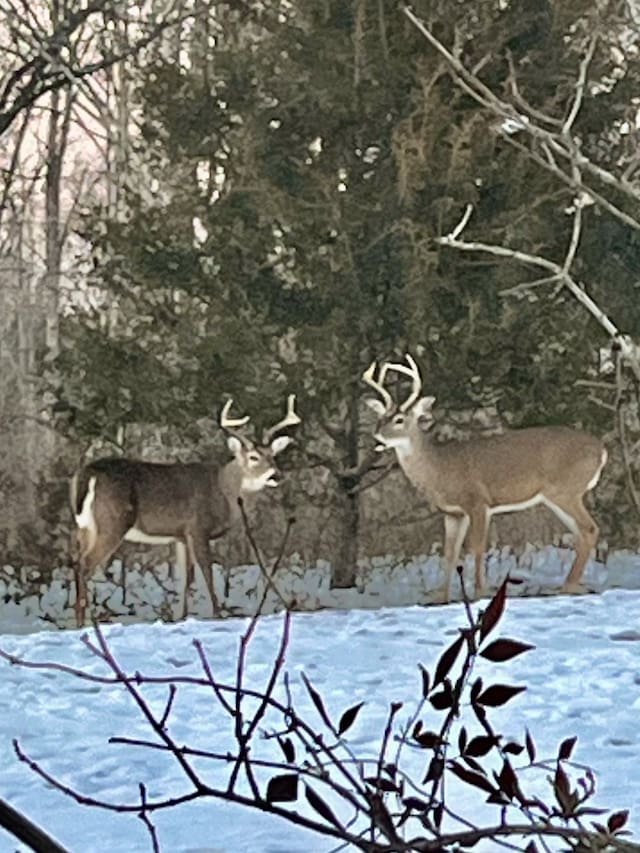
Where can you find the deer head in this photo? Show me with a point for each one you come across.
(257, 460)
(398, 423)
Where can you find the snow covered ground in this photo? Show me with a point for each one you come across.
(583, 679)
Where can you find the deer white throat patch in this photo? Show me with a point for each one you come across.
(256, 484)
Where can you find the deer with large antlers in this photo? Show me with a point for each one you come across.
(469, 481)
(186, 503)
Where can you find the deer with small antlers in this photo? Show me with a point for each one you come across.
(160, 503)
(470, 481)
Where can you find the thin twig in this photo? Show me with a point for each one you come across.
(580, 85)
(212, 681)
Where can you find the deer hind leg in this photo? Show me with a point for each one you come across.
(93, 549)
(455, 529)
(477, 543)
(573, 513)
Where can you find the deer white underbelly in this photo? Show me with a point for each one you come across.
(133, 534)
(455, 509)
(515, 507)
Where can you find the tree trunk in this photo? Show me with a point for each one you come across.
(344, 563)
(56, 145)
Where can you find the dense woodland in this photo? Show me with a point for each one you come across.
(201, 199)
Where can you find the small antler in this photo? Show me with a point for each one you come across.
(231, 423)
(413, 372)
(290, 419)
(378, 386)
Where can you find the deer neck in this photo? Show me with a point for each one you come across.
(419, 461)
(230, 481)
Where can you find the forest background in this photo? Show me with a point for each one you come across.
(202, 199)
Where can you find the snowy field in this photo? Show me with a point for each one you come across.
(583, 679)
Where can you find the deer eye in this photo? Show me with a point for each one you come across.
(398, 419)
(253, 457)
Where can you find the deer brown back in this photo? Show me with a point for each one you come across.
(156, 498)
(511, 467)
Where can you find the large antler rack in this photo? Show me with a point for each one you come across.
(289, 420)
(413, 372)
(378, 384)
(232, 425)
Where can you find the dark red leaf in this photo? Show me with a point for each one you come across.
(283, 789)
(566, 748)
(447, 660)
(471, 777)
(480, 712)
(617, 820)
(437, 815)
(462, 739)
(425, 682)
(531, 747)
(415, 804)
(288, 749)
(513, 748)
(428, 740)
(508, 781)
(348, 718)
(473, 764)
(381, 783)
(562, 789)
(316, 802)
(561, 780)
(501, 650)
(435, 770)
(476, 687)
(492, 614)
(317, 701)
(499, 694)
(443, 698)
(480, 745)
(531, 847)
(498, 799)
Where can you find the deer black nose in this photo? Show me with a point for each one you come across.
(276, 477)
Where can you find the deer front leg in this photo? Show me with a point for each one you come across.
(478, 527)
(201, 554)
(455, 529)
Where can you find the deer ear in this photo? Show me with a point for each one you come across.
(376, 405)
(424, 406)
(234, 444)
(279, 443)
